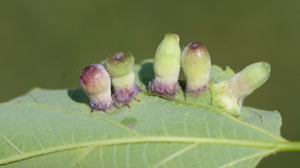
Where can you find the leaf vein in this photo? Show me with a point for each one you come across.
(144, 154)
(175, 155)
(82, 157)
(33, 135)
(264, 153)
(34, 99)
(261, 118)
(12, 145)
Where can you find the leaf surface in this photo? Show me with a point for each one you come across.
(55, 128)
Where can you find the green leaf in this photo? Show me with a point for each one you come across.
(55, 128)
(217, 74)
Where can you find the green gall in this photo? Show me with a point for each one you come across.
(95, 82)
(196, 67)
(229, 94)
(250, 78)
(166, 67)
(120, 65)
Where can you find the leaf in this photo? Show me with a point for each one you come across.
(55, 128)
(218, 74)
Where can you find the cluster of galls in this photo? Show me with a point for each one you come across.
(96, 81)
(196, 64)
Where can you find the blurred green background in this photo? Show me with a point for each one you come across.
(48, 43)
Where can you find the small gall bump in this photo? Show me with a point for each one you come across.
(95, 82)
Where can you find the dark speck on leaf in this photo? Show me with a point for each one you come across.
(129, 122)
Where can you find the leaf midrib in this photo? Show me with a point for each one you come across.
(278, 146)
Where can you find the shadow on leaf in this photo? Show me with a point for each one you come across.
(146, 73)
(78, 95)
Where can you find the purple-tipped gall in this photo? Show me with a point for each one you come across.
(166, 67)
(120, 66)
(196, 66)
(95, 82)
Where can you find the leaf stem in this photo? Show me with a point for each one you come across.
(276, 146)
